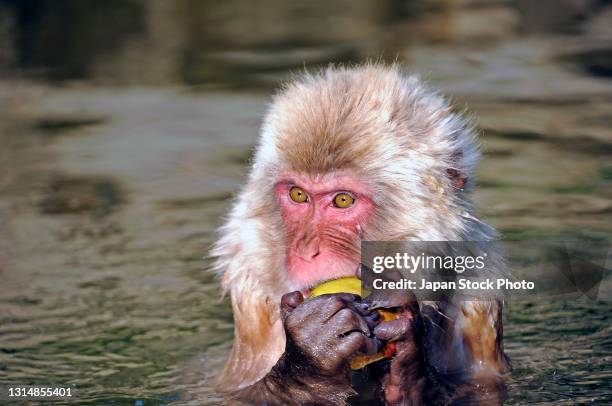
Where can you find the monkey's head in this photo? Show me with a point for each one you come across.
(345, 155)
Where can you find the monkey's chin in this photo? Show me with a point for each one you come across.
(305, 275)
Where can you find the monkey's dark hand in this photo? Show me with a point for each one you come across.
(404, 384)
(324, 332)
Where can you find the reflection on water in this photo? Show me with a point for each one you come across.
(109, 196)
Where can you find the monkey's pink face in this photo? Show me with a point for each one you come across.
(324, 219)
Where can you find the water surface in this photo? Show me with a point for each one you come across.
(110, 196)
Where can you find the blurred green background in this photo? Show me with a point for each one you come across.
(126, 126)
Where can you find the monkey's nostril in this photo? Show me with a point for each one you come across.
(310, 256)
(308, 253)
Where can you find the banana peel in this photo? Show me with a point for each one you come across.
(353, 285)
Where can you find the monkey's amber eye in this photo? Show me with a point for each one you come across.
(343, 200)
(298, 195)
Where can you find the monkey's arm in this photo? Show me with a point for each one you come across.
(464, 363)
(322, 334)
(464, 346)
(295, 381)
(482, 338)
(407, 379)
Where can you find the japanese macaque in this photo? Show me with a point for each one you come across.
(345, 155)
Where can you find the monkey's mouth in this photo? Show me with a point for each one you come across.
(305, 275)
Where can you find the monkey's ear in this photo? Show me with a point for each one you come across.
(458, 180)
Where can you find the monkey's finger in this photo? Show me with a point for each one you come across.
(290, 301)
(399, 298)
(362, 308)
(326, 306)
(393, 330)
(356, 342)
(346, 321)
(347, 297)
(372, 317)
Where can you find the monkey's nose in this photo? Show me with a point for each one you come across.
(308, 252)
